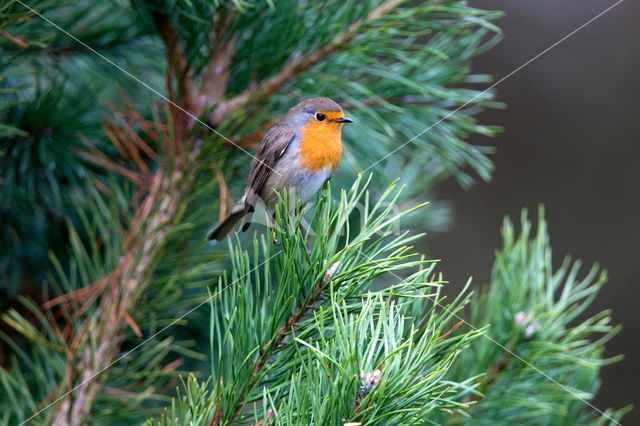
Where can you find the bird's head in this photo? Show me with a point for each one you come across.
(322, 114)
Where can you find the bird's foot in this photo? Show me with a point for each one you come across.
(276, 242)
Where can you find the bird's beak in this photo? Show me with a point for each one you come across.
(343, 120)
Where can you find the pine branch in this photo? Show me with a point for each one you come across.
(355, 329)
(531, 311)
(119, 291)
(300, 64)
(215, 78)
(150, 227)
(495, 369)
(146, 238)
(177, 69)
(272, 345)
(252, 140)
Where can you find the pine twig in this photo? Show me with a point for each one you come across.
(116, 294)
(300, 64)
(252, 140)
(267, 350)
(216, 76)
(177, 67)
(498, 367)
(489, 378)
(146, 238)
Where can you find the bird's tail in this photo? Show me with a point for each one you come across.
(219, 232)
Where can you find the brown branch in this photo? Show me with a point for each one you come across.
(130, 321)
(494, 371)
(96, 344)
(177, 67)
(76, 296)
(216, 76)
(173, 365)
(300, 64)
(490, 377)
(498, 367)
(145, 241)
(129, 144)
(13, 19)
(133, 116)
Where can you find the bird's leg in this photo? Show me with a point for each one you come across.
(272, 228)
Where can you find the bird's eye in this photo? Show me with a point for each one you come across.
(320, 117)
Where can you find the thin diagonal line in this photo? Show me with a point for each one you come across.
(148, 339)
(136, 79)
(496, 83)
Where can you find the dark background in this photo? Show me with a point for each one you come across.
(571, 141)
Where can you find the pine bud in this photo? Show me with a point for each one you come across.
(332, 269)
(526, 321)
(369, 380)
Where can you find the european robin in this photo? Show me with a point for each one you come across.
(298, 154)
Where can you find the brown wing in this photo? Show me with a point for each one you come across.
(272, 148)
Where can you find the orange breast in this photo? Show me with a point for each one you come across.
(321, 146)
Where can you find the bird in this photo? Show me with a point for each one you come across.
(298, 154)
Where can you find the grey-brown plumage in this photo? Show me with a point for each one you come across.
(275, 165)
(273, 146)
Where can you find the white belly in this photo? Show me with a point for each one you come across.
(301, 185)
(312, 184)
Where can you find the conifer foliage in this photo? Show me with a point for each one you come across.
(127, 129)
